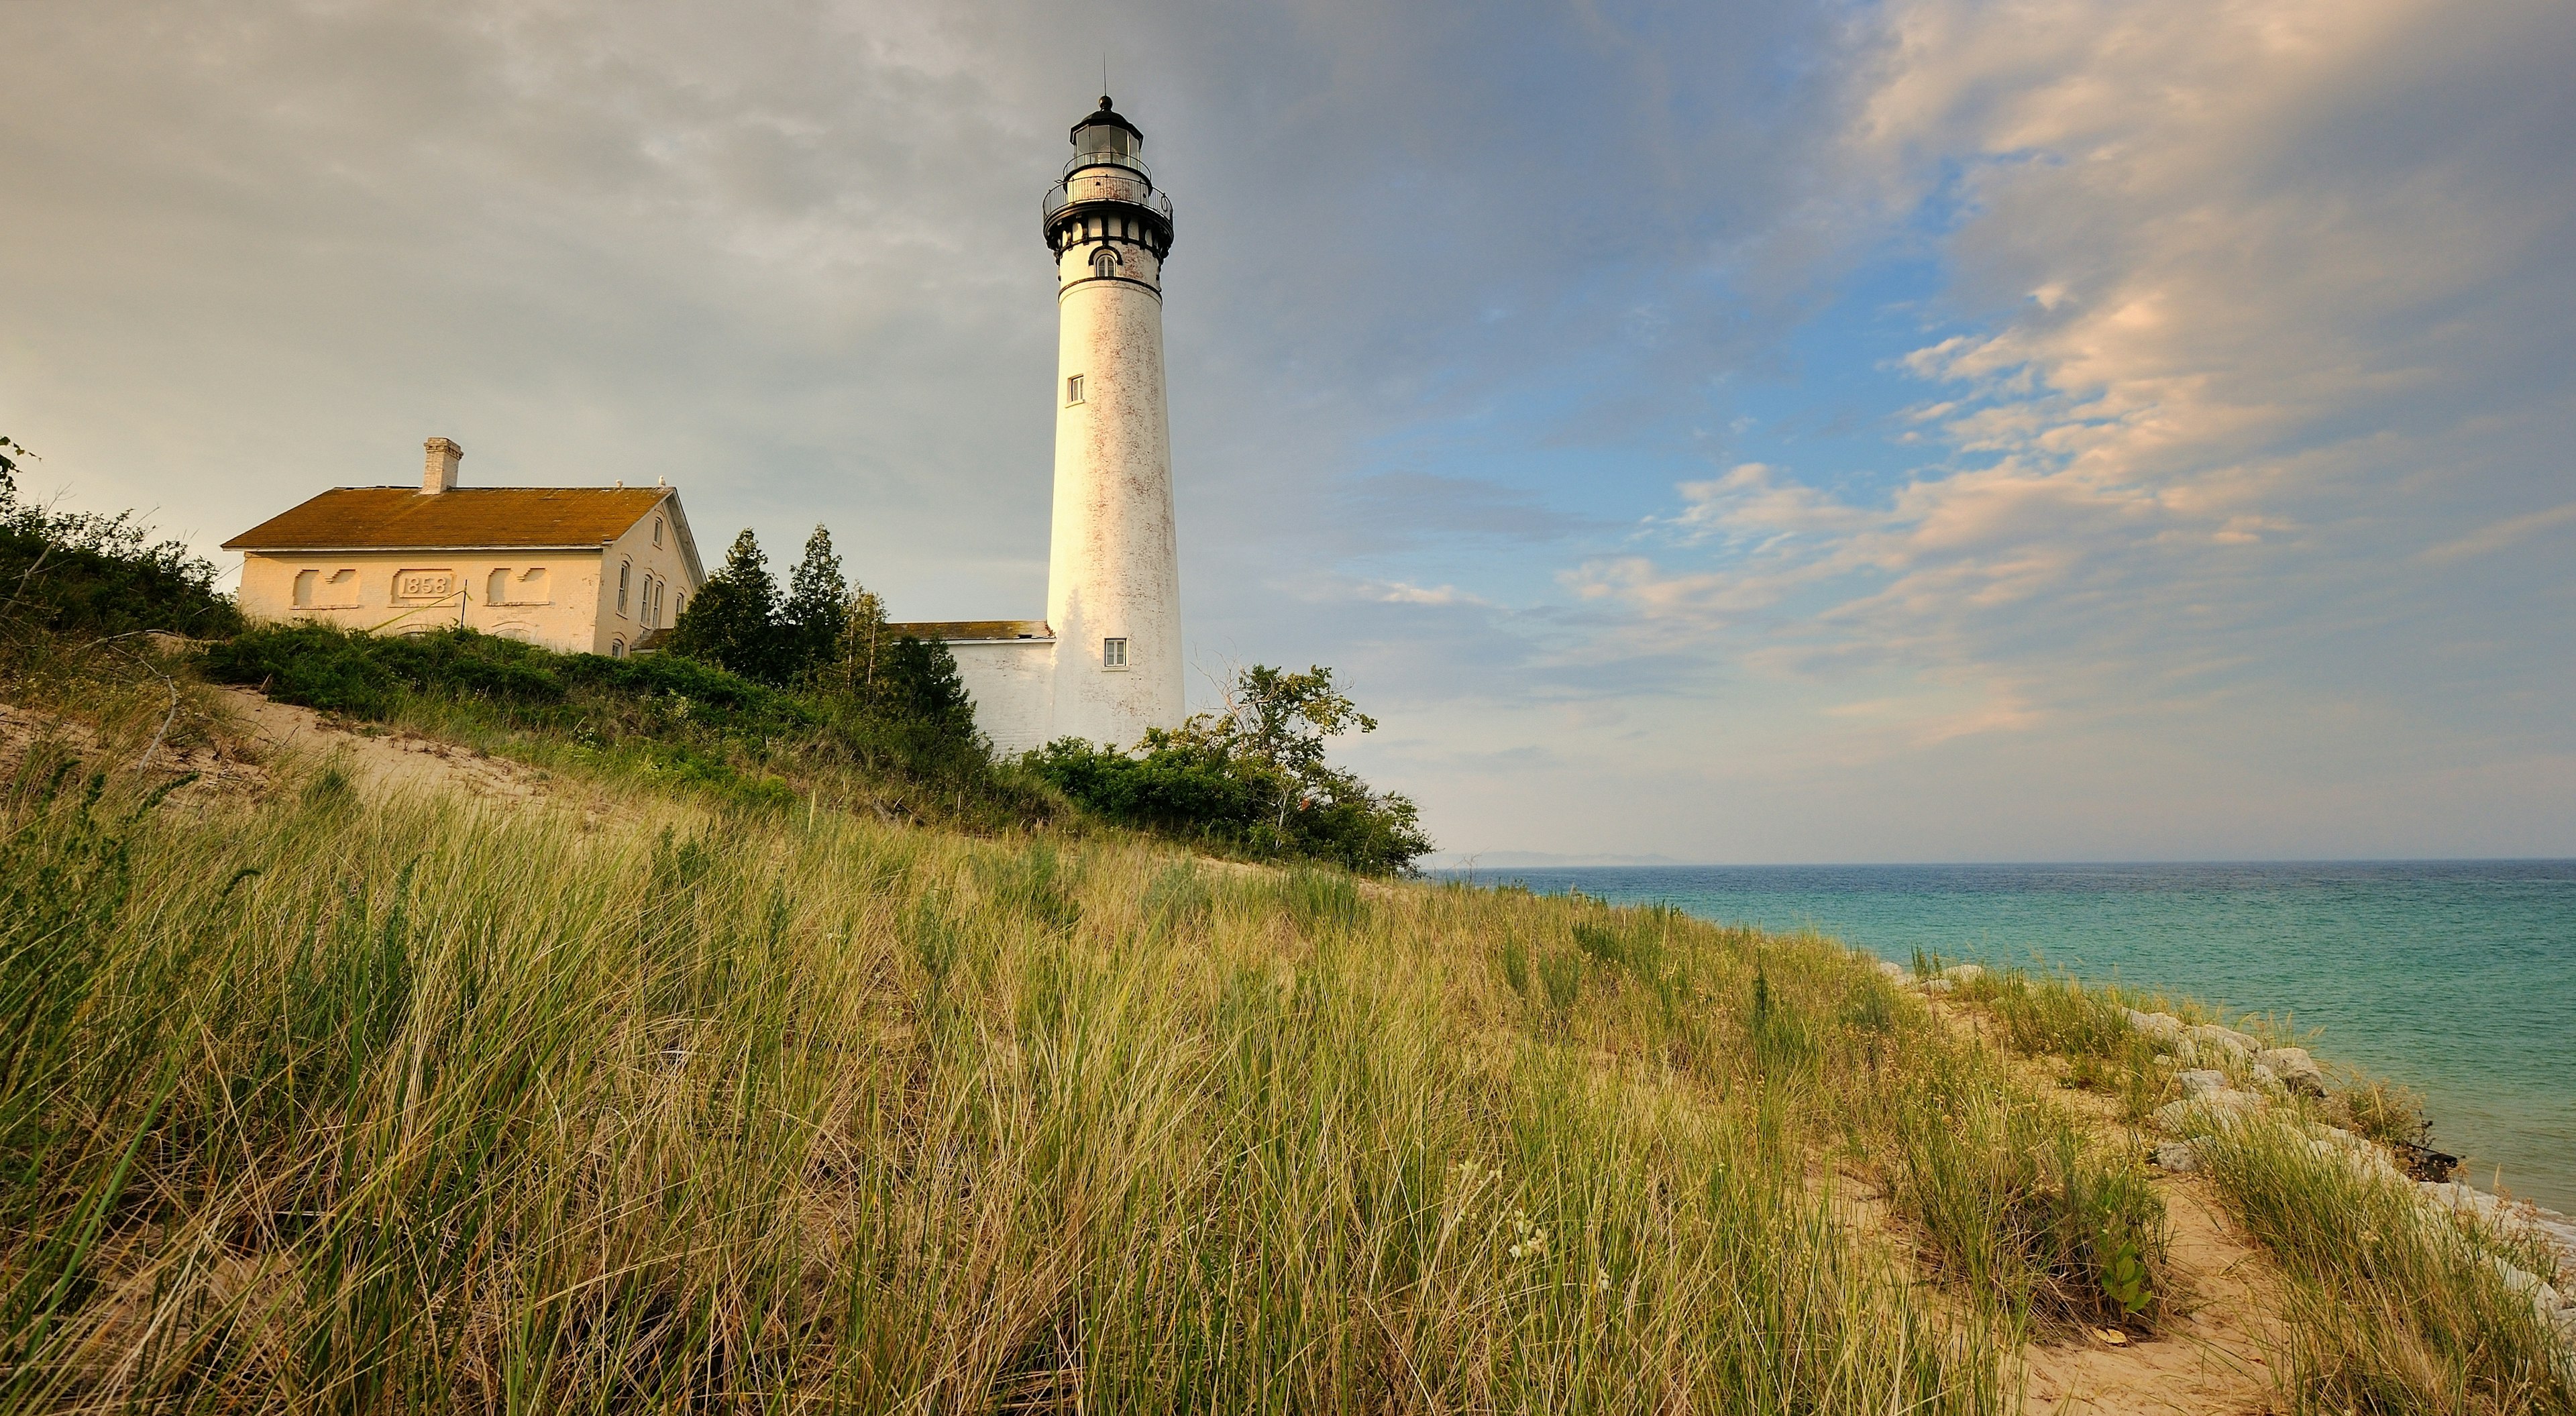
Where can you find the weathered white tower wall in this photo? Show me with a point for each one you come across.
(1113, 578)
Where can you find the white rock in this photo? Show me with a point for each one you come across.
(2546, 1301)
(2513, 1218)
(2296, 1069)
(1938, 985)
(2177, 1156)
(2268, 1081)
(2366, 1160)
(1964, 973)
(2225, 1039)
(2200, 1081)
(2209, 1111)
(1896, 973)
(2471, 1201)
(2163, 1027)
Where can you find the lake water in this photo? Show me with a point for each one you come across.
(2457, 978)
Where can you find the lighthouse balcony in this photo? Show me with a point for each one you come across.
(1127, 160)
(1077, 190)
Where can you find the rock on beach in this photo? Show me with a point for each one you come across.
(2297, 1070)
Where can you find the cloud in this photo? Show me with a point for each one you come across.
(2220, 360)
(2496, 536)
(1784, 416)
(1399, 593)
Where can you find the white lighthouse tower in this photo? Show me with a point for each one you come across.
(1113, 574)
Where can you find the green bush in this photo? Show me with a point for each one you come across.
(1251, 779)
(672, 717)
(366, 676)
(84, 574)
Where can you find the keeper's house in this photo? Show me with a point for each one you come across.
(576, 569)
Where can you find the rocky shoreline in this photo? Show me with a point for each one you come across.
(2227, 1077)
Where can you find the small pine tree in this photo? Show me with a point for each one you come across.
(733, 621)
(856, 670)
(816, 611)
(921, 687)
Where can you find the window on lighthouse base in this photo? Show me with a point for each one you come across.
(1073, 388)
(1113, 653)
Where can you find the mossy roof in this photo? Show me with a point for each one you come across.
(395, 518)
(959, 631)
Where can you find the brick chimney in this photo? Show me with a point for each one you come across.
(440, 473)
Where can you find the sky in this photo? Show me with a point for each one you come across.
(1715, 432)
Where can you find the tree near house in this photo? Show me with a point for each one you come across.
(817, 606)
(856, 669)
(732, 622)
(828, 639)
(739, 621)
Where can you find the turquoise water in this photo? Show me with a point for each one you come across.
(2457, 978)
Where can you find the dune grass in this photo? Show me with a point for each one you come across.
(2388, 1306)
(430, 1104)
(426, 1103)
(418, 1104)
(443, 1107)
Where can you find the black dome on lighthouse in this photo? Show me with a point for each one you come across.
(1105, 116)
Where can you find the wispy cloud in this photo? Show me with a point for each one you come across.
(2215, 372)
(2496, 536)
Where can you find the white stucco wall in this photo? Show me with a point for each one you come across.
(1113, 562)
(1011, 682)
(574, 609)
(364, 590)
(647, 566)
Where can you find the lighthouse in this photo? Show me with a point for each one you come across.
(1113, 568)
(1105, 663)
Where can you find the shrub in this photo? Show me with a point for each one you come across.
(1251, 778)
(676, 717)
(365, 675)
(85, 574)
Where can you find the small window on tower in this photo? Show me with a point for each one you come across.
(1113, 653)
(1073, 388)
(1104, 263)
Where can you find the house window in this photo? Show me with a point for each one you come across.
(657, 530)
(1113, 653)
(1073, 388)
(617, 648)
(305, 580)
(625, 573)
